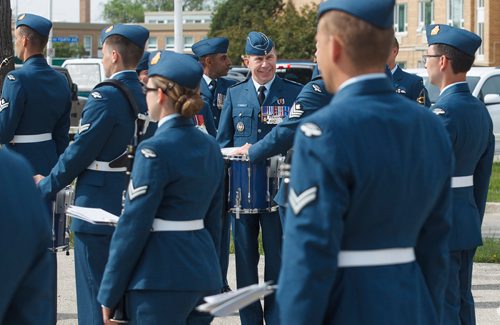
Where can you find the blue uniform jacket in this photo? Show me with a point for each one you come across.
(36, 99)
(311, 98)
(410, 85)
(215, 103)
(376, 168)
(242, 107)
(179, 183)
(106, 128)
(471, 133)
(24, 238)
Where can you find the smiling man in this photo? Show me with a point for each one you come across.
(245, 119)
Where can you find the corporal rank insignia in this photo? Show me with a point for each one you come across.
(298, 202)
(148, 153)
(136, 192)
(11, 77)
(3, 104)
(438, 111)
(273, 114)
(311, 130)
(296, 111)
(83, 128)
(96, 95)
(240, 127)
(317, 88)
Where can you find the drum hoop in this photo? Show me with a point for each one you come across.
(236, 158)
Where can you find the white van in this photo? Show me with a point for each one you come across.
(86, 73)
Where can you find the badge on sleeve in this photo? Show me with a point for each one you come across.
(298, 202)
(310, 130)
(96, 95)
(83, 128)
(438, 111)
(296, 111)
(136, 192)
(3, 104)
(240, 127)
(316, 88)
(148, 153)
(400, 91)
(11, 77)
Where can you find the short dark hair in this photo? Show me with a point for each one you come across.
(366, 45)
(460, 62)
(130, 53)
(37, 41)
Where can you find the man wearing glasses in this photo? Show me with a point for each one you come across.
(448, 59)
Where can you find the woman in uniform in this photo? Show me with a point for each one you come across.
(164, 252)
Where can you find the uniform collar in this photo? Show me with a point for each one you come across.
(393, 71)
(360, 78)
(167, 118)
(207, 79)
(114, 75)
(267, 85)
(35, 58)
(451, 85)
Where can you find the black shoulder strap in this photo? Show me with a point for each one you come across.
(125, 91)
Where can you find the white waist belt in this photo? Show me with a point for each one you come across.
(103, 166)
(462, 181)
(376, 257)
(32, 138)
(169, 225)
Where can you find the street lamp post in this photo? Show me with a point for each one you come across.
(50, 50)
(178, 39)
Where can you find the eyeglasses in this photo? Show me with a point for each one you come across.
(146, 89)
(425, 57)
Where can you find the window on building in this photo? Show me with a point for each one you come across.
(455, 10)
(188, 41)
(480, 32)
(87, 45)
(169, 42)
(425, 14)
(161, 22)
(152, 43)
(480, 3)
(480, 27)
(400, 22)
(152, 21)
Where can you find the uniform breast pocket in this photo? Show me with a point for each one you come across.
(242, 120)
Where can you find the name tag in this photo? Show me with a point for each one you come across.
(273, 114)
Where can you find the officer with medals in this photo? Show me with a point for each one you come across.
(106, 128)
(36, 100)
(366, 236)
(26, 295)
(247, 117)
(449, 57)
(212, 54)
(164, 252)
(406, 84)
(310, 99)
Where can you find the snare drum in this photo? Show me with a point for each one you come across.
(252, 186)
(60, 230)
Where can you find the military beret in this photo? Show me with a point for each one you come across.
(210, 46)
(258, 44)
(143, 63)
(379, 13)
(39, 24)
(179, 68)
(138, 35)
(461, 39)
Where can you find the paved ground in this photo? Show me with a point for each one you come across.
(485, 284)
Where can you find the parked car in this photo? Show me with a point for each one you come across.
(298, 71)
(86, 73)
(484, 83)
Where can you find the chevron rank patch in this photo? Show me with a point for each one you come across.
(148, 153)
(96, 95)
(11, 77)
(83, 128)
(136, 192)
(298, 202)
(438, 111)
(311, 130)
(3, 104)
(296, 111)
(317, 88)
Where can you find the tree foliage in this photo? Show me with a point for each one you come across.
(292, 30)
(6, 48)
(67, 50)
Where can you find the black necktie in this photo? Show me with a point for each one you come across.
(212, 85)
(262, 94)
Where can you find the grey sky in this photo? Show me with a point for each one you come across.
(62, 10)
